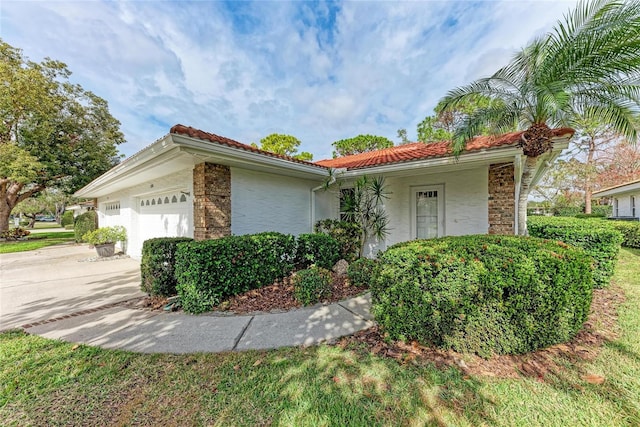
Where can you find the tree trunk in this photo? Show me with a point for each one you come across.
(10, 196)
(32, 220)
(525, 188)
(588, 185)
(5, 212)
(587, 199)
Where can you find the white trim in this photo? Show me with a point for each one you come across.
(621, 189)
(414, 189)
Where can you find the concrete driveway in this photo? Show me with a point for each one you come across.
(54, 281)
(51, 293)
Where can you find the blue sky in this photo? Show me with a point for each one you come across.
(320, 71)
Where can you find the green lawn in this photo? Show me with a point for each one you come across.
(45, 382)
(36, 241)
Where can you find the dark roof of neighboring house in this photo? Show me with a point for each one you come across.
(421, 151)
(217, 139)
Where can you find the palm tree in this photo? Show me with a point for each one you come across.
(588, 66)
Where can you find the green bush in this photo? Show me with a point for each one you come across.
(84, 223)
(157, 267)
(630, 232)
(317, 249)
(483, 294)
(311, 285)
(209, 271)
(346, 233)
(361, 271)
(591, 215)
(105, 235)
(598, 238)
(602, 211)
(67, 219)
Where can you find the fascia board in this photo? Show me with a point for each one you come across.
(144, 159)
(629, 188)
(237, 156)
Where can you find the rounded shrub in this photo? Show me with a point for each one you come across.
(361, 271)
(85, 223)
(157, 267)
(483, 294)
(67, 219)
(630, 232)
(347, 234)
(311, 285)
(598, 238)
(317, 249)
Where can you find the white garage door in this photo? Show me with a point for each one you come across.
(165, 215)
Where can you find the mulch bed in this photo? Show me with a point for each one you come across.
(277, 297)
(600, 327)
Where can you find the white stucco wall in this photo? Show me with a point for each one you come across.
(327, 204)
(624, 205)
(172, 220)
(265, 202)
(465, 204)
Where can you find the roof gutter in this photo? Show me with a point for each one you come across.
(333, 176)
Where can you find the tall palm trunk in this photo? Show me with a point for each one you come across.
(536, 140)
(525, 188)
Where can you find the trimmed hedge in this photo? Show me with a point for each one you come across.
(317, 249)
(347, 234)
(483, 294)
(598, 238)
(85, 223)
(311, 285)
(211, 270)
(603, 210)
(157, 267)
(630, 232)
(361, 271)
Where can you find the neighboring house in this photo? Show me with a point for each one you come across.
(197, 184)
(625, 199)
(81, 207)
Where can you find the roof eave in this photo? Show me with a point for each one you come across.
(145, 155)
(236, 157)
(619, 189)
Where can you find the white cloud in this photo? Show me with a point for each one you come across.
(320, 71)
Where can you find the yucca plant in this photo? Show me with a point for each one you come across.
(588, 66)
(364, 206)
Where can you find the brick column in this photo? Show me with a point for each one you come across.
(502, 199)
(211, 201)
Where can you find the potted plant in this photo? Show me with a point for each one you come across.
(104, 239)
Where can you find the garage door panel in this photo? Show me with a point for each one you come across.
(165, 215)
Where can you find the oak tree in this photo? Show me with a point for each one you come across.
(54, 134)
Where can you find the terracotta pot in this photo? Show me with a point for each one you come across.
(106, 249)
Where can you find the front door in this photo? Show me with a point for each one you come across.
(427, 213)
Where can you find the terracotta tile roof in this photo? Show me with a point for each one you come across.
(421, 151)
(217, 139)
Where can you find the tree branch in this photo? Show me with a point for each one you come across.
(29, 193)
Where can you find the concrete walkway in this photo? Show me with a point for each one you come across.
(109, 322)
